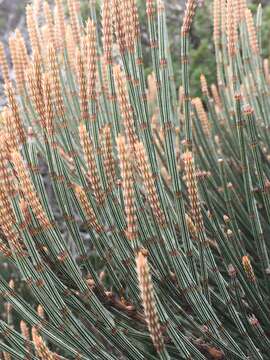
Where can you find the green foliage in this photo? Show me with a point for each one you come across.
(165, 201)
(201, 63)
(202, 59)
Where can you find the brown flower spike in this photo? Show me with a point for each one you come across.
(149, 183)
(149, 302)
(248, 268)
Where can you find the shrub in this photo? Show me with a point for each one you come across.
(172, 191)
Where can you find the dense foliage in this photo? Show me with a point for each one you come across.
(172, 192)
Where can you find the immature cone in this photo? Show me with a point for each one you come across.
(188, 16)
(90, 215)
(252, 32)
(125, 106)
(231, 28)
(6, 173)
(50, 23)
(6, 356)
(149, 303)
(58, 41)
(223, 10)
(239, 10)
(24, 330)
(7, 221)
(18, 126)
(152, 88)
(71, 47)
(242, 5)
(216, 97)
(191, 227)
(55, 82)
(118, 22)
(105, 82)
(28, 189)
(128, 187)
(74, 20)
(254, 322)
(82, 80)
(150, 8)
(204, 85)
(48, 106)
(26, 334)
(32, 29)
(77, 6)
(4, 132)
(129, 24)
(202, 115)
(11, 284)
(107, 154)
(19, 59)
(181, 96)
(107, 30)
(149, 183)
(45, 39)
(248, 268)
(90, 160)
(4, 249)
(25, 210)
(3, 64)
(41, 348)
(8, 136)
(23, 57)
(34, 79)
(40, 311)
(60, 33)
(36, 9)
(135, 17)
(193, 192)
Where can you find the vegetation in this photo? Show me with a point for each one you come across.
(173, 191)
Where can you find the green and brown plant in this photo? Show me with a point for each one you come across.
(173, 191)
